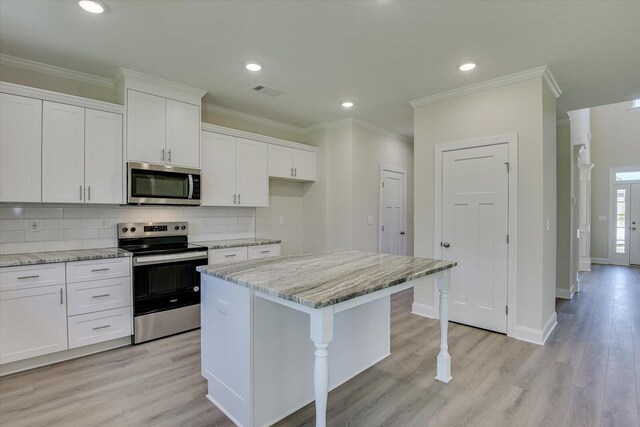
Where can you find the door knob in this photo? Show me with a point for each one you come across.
(446, 244)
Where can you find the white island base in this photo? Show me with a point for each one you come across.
(265, 357)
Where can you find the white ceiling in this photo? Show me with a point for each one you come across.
(380, 54)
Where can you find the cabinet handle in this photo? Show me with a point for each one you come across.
(163, 154)
(101, 327)
(291, 171)
(80, 191)
(230, 256)
(169, 155)
(101, 296)
(61, 300)
(265, 252)
(100, 269)
(295, 171)
(89, 193)
(234, 198)
(29, 277)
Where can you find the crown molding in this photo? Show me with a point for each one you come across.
(538, 72)
(378, 129)
(52, 70)
(251, 118)
(355, 121)
(207, 127)
(141, 81)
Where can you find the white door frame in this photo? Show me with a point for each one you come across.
(390, 168)
(512, 263)
(611, 239)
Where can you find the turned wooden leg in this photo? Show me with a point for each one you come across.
(444, 359)
(321, 335)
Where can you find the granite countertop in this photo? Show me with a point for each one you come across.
(13, 260)
(236, 243)
(322, 279)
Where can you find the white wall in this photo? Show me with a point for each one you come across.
(615, 141)
(285, 200)
(66, 227)
(523, 108)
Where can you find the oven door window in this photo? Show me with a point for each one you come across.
(147, 183)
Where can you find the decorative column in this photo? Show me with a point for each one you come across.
(585, 216)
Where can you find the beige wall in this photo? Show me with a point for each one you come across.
(370, 149)
(615, 141)
(564, 193)
(514, 108)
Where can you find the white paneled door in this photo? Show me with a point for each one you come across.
(392, 216)
(475, 189)
(634, 227)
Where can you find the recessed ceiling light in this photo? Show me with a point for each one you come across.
(468, 66)
(347, 104)
(253, 67)
(91, 6)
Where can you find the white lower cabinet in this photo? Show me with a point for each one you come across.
(100, 326)
(243, 253)
(99, 295)
(263, 251)
(33, 322)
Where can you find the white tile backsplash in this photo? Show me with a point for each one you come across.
(67, 227)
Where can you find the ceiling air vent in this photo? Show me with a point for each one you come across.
(266, 90)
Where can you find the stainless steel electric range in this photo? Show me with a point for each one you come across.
(166, 285)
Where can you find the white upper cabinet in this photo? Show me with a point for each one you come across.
(234, 171)
(252, 177)
(292, 163)
(103, 157)
(20, 149)
(218, 170)
(62, 153)
(183, 134)
(146, 128)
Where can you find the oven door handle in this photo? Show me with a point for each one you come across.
(190, 196)
(163, 259)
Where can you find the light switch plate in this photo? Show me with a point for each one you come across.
(370, 220)
(602, 218)
(281, 220)
(548, 224)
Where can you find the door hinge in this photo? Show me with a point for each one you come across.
(506, 309)
(507, 239)
(382, 184)
(383, 228)
(507, 165)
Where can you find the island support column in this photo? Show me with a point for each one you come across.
(444, 359)
(321, 335)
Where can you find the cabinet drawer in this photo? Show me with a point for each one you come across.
(98, 295)
(31, 276)
(83, 271)
(227, 255)
(263, 251)
(93, 328)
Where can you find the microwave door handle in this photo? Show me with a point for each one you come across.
(190, 187)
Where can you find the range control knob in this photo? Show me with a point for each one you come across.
(184, 227)
(177, 227)
(133, 229)
(125, 229)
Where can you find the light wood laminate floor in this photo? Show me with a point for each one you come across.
(588, 374)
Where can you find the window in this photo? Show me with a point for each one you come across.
(621, 221)
(635, 104)
(628, 176)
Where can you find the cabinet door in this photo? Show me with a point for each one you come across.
(183, 134)
(218, 170)
(20, 149)
(280, 162)
(62, 153)
(103, 157)
(33, 322)
(304, 165)
(146, 127)
(252, 177)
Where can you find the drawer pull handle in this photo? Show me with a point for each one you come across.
(265, 252)
(101, 327)
(230, 256)
(29, 277)
(101, 296)
(100, 269)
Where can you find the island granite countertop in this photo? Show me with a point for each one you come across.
(237, 243)
(14, 260)
(319, 280)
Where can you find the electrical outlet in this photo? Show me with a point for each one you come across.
(104, 224)
(281, 220)
(35, 225)
(223, 307)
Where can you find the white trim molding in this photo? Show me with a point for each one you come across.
(52, 70)
(566, 293)
(537, 336)
(129, 79)
(423, 310)
(215, 109)
(354, 121)
(207, 127)
(533, 73)
(602, 261)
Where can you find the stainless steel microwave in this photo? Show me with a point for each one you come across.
(149, 184)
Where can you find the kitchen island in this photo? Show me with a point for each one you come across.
(278, 333)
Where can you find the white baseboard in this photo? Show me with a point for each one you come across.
(423, 310)
(564, 293)
(600, 261)
(585, 264)
(536, 336)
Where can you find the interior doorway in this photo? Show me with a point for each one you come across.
(393, 196)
